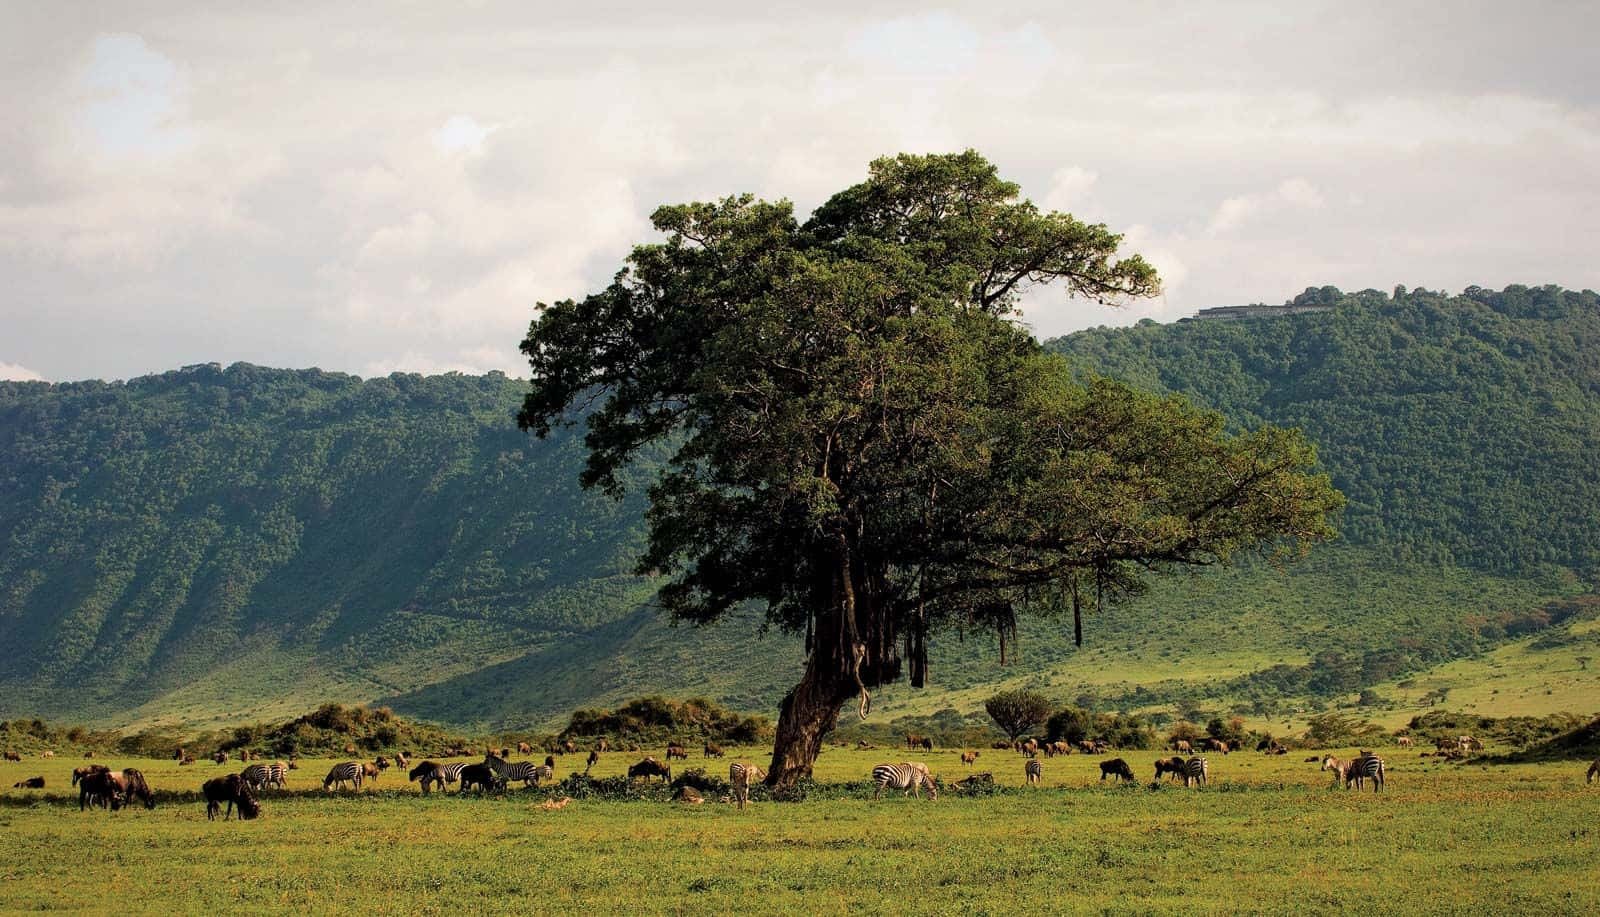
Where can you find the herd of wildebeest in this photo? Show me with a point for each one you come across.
(99, 785)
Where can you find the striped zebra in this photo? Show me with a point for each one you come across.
(430, 773)
(261, 776)
(741, 775)
(528, 773)
(913, 777)
(1367, 767)
(1033, 770)
(352, 771)
(1196, 770)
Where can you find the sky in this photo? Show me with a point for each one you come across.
(394, 187)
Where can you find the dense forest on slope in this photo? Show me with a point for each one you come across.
(1463, 429)
(244, 544)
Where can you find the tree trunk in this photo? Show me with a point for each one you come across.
(807, 714)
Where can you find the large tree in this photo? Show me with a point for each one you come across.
(865, 441)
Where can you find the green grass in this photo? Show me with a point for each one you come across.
(1268, 835)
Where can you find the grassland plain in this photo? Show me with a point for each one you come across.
(1269, 834)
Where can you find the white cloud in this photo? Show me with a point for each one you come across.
(318, 191)
(15, 373)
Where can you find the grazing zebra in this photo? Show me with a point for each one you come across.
(261, 776)
(1197, 770)
(1366, 767)
(528, 773)
(1339, 766)
(740, 775)
(913, 777)
(352, 771)
(1033, 770)
(430, 773)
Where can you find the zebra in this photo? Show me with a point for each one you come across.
(1339, 766)
(1197, 770)
(261, 776)
(430, 773)
(525, 771)
(740, 775)
(352, 771)
(1367, 767)
(913, 777)
(1033, 770)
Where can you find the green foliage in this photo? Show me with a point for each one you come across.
(1017, 712)
(1462, 429)
(1560, 731)
(1328, 730)
(658, 719)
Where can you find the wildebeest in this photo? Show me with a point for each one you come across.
(1594, 770)
(713, 750)
(569, 747)
(523, 748)
(594, 757)
(47, 753)
(969, 757)
(1182, 746)
(32, 783)
(1003, 745)
(648, 768)
(82, 771)
(1030, 747)
(481, 776)
(382, 763)
(1172, 765)
(13, 756)
(402, 760)
(602, 745)
(1117, 768)
(244, 755)
(186, 760)
(370, 771)
(674, 750)
(232, 790)
(98, 788)
(1215, 744)
(180, 754)
(1092, 747)
(1403, 741)
(913, 740)
(220, 757)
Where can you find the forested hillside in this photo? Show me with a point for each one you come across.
(1463, 429)
(246, 543)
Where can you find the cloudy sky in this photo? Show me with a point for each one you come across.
(394, 187)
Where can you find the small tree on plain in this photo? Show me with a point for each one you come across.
(1016, 712)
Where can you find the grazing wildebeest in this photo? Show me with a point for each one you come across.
(927, 743)
(1003, 745)
(713, 750)
(98, 788)
(1594, 770)
(1030, 748)
(969, 757)
(382, 763)
(1117, 768)
(569, 747)
(1403, 741)
(232, 790)
(32, 783)
(523, 748)
(179, 755)
(594, 757)
(220, 757)
(1172, 765)
(1214, 744)
(482, 776)
(674, 750)
(78, 773)
(1182, 746)
(13, 756)
(602, 745)
(648, 768)
(912, 741)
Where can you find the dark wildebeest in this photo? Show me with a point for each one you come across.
(602, 745)
(674, 750)
(32, 783)
(1214, 744)
(78, 773)
(482, 776)
(13, 756)
(1172, 765)
(523, 748)
(232, 790)
(968, 757)
(220, 757)
(1181, 745)
(97, 788)
(648, 768)
(713, 750)
(1117, 768)
(594, 757)
(569, 747)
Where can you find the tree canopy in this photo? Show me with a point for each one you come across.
(1016, 712)
(865, 441)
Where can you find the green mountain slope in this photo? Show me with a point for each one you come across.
(243, 544)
